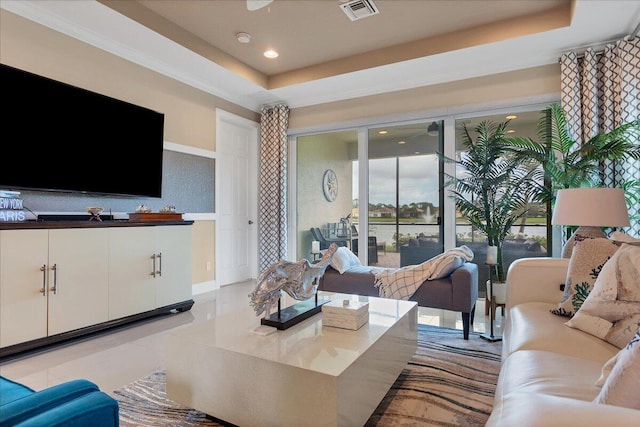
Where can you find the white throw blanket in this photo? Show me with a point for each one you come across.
(401, 283)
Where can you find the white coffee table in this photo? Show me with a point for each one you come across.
(307, 375)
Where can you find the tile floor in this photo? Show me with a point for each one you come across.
(116, 358)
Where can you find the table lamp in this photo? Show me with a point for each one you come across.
(589, 209)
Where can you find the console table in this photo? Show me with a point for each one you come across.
(305, 374)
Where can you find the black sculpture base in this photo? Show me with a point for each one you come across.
(294, 314)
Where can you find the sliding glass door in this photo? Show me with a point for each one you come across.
(531, 237)
(392, 175)
(405, 196)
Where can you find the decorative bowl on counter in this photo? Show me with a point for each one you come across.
(95, 211)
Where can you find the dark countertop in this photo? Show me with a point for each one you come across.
(27, 225)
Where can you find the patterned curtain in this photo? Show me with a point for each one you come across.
(599, 92)
(273, 185)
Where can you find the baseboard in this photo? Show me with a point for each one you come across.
(16, 350)
(203, 287)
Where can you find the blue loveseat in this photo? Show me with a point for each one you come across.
(77, 403)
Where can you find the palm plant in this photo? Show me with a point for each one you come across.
(493, 189)
(632, 194)
(566, 162)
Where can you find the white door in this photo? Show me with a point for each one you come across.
(236, 198)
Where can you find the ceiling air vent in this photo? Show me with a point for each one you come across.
(358, 9)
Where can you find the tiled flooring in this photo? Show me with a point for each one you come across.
(114, 359)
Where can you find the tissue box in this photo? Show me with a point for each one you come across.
(338, 315)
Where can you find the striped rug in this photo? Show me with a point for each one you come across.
(448, 382)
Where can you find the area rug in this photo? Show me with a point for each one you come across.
(448, 382)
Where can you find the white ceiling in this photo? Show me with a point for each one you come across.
(312, 34)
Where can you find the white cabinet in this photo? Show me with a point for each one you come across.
(149, 268)
(131, 285)
(23, 285)
(78, 278)
(173, 262)
(57, 283)
(51, 281)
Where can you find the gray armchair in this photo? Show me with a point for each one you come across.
(372, 248)
(325, 242)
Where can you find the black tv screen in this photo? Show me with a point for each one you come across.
(58, 137)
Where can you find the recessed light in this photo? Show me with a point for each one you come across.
(270, 54)
(511, 131)
(417, 152)
(243, 37)
(382, 132)
(401, 142)
(511, 117)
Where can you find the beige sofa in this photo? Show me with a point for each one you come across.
(549, 370)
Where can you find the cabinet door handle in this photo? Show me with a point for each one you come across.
(153, 271)
(54, 288)
(159, 256)
(43, 290)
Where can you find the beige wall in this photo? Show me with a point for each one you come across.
(203, 251)
(501, 87)
(189, 113)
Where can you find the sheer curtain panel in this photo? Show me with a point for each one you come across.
(272, 235)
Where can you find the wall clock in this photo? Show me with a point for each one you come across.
(330, 185)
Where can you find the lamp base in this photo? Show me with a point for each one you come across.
(490, 337)
(583, 232)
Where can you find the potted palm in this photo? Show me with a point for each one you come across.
(492, 189)
(567, 163)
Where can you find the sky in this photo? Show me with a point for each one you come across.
(418, 180)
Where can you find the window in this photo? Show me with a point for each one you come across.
(530, 237)
(408, 218)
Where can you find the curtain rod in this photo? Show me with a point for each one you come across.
(599, 52)
(634, 33)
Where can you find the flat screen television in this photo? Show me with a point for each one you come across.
(58, 137)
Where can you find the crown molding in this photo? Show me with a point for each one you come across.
(96, 24)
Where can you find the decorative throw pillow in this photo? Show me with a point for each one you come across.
(619, 236)
(612, 309)
(586, 261)
(621, 384)
(343, 259)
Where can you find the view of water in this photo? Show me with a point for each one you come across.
(385, 232)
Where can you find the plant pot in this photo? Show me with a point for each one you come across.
(500, 291)
(492, 255)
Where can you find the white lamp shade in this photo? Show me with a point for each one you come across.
(596, 207)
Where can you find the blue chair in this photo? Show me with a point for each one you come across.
(77, 403)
